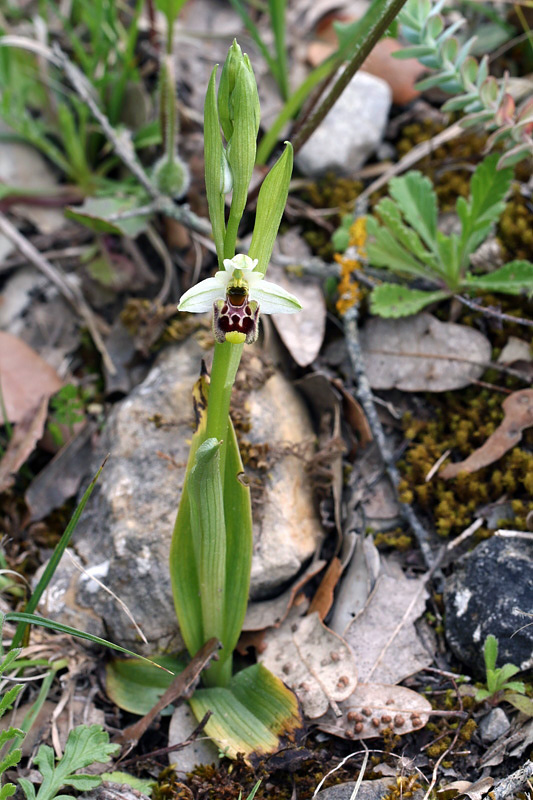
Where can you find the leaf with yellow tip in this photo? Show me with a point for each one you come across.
(254, 714)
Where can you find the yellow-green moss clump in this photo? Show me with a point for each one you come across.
(449, 165)
(515, 230)
(329, 192)
(461, 423)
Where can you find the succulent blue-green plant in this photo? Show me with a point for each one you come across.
(482, 98)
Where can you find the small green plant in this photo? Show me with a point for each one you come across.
(407, 241)
(39, 108)
(86, 745)
(10, 734)
(211, 549)
(480, 96)
(498, 682)
(66, 408)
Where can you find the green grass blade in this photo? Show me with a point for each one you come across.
(277, 9)
(33, 619)
(55, 559)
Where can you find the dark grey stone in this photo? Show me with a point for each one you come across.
(491, 591)
(368, 790)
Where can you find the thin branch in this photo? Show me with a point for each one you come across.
(361, 52)
(513, 783)
(123, 147)
(60, 280)
(365, 397)
(489, 311)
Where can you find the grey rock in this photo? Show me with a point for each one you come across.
(351, 131)
(489, 592)
(123, 537)
(200, 751)
(494, 725)
(368, 790)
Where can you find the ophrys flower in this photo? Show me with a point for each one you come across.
(237, 294)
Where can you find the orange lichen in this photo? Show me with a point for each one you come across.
(348, 288)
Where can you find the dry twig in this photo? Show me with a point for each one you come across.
(365, 397)
(57, 277)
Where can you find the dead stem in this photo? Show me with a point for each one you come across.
(70, 291)
(365, 397)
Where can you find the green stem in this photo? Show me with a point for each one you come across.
(373, 26)
(226, 362)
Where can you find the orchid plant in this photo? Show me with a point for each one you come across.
(211, 550)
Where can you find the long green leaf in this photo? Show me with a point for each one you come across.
(206, 503)
(416, 197)
(270, 207)
(239, 542)
(183, 575)
(277, 9)
(33, 619)
(393, 300)
(251, 715)
(53, 563)
(516, 278)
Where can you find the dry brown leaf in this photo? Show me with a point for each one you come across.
(62, 476)
(24, 377)
(358, 581)
(422, 354)
(313, 661)
(262, 614)
(354, 415)
(323, 599)
(475, 791)
(324, 401)
(383, 636)
(26, 435)
(518, 409)
(303, 333)
(376, 707)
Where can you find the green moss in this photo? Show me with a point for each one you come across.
(328, 192)
(461, 423)
(395, 540)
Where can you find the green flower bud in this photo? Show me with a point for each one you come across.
(226, 88)
(172, 177)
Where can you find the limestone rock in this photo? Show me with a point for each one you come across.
(123, 537)
(351, 131)
(494, 725)
(368, 790)
(490, 592)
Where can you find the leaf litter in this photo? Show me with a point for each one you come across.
(422, 354)
(313, 661)
(518, 408)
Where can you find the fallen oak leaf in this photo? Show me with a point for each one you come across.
(26, 435)
(313, 661)
(518, 408)
(374, 708)
(475, 791)
(24, 377)
(323, 597)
